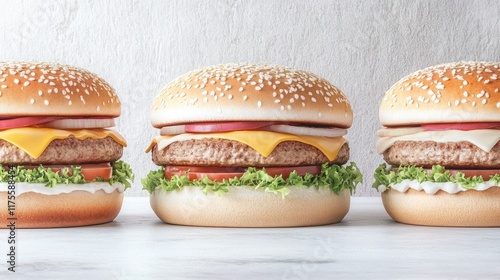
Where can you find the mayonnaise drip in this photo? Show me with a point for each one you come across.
(40, 188)
(433, 187)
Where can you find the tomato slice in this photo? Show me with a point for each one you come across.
(89, 170)
(25, 121)
(217, 174)
(225, 126)
(460, 126)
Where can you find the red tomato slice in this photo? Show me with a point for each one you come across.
(219, 173)
(225, 126)
(89, 171)
(460, 126)
(25, 121)
(485, 173)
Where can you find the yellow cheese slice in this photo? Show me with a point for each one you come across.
(484, 139)
(34, 140)
(263, 142)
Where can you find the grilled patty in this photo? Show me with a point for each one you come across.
(65, 151)
(452, 155)
(222, 152)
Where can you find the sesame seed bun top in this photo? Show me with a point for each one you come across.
(48, 89)
(251, 92)
(448, 93)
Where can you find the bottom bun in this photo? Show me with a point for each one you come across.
(464, 209)
(77, 208)
(247, 207)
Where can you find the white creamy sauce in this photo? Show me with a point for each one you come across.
(22, 187)
(433, 187)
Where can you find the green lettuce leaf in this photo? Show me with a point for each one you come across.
(122, 173)
(333, 177)
(386, 175)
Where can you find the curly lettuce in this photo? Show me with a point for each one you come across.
(122, 173)
(333, 177)
(387, 175)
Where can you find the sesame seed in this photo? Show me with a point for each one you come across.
(32, 101)
(245, 97)
(27, 83)
(46, 102)
(241, 89)
(259, 104)
(16, 81)
(4, 86)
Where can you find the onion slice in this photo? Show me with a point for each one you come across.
(400, 131)
(307, 130)
(173, 130)
(80, 123)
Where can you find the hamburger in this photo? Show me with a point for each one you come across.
(59, 161)
(251, 145)
(440, 138)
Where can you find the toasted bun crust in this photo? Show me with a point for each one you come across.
(251, 92)
(465, 209)
(448, 93)
(48, 89)
(78, 208)
(247, 207)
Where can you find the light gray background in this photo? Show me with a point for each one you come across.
(363, 47)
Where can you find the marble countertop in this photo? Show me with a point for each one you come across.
(367, 244)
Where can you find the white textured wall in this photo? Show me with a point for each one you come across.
(361, 46)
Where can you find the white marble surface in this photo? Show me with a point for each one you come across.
(367, 244)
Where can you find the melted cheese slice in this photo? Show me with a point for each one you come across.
(484, 139)
(34, 140)
(263, 142)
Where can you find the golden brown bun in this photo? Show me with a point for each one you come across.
(247, 207)
(78, 208)
(47, 89)
(251, 92)
(448, 93)
(465, 209)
